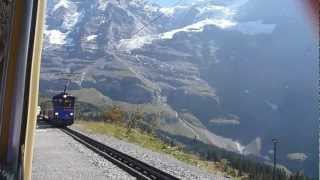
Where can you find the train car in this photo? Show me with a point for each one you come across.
(63, 110)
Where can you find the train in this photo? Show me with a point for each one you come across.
(63, 113)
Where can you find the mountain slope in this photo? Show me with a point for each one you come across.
(214, 69)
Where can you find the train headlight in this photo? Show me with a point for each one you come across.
(64, 96)
(56, 113)
(71, 114)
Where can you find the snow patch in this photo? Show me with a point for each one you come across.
(102, 4)
(199, 27)
(297, 156)
(69, 15)
(62, 3)
(254, 147)
(136, 42)
(150, 8)
(91, 37)
(228, 120)
(170, 11)
(223, 20)
(220, 11)
(140, 41)
(167, 11)
(255, 27)
(272, 105)
(56, 37)
(71, 20)
(225, 122)
(222, 142)
(237, 4)
(240, 148)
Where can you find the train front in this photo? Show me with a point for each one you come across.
(63, 109)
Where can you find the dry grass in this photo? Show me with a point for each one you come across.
(151, 142)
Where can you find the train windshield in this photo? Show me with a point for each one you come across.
(64, 102)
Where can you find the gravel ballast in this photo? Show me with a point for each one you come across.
(58, 156)
(161, 161)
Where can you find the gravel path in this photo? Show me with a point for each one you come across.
(158, 160)
(58, 156)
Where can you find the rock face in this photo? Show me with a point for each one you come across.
(232, 66)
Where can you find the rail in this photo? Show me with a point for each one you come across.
(131, 165)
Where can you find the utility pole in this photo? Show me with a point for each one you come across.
(275, 142)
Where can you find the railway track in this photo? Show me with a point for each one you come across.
(131, 165)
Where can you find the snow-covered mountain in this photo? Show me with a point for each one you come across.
(213, 68)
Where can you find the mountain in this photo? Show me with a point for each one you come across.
(228, 73)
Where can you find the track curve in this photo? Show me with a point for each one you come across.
(131, 165)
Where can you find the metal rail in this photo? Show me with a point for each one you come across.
(133, 166)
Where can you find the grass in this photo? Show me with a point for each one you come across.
(151, 142)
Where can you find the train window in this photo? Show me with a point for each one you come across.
(63, 102)
(67, 103)
(58, 102)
